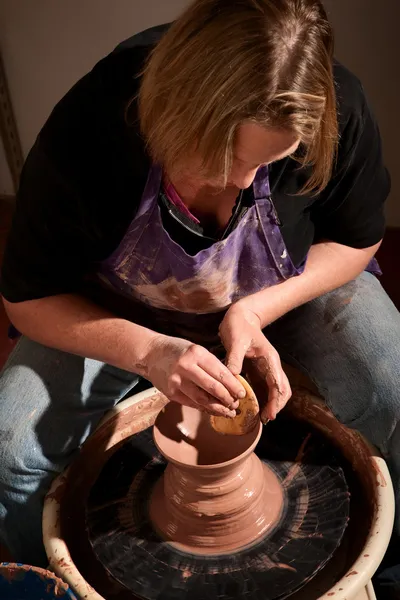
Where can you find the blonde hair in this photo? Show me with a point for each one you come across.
(223, 63)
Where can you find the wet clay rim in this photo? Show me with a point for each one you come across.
(138, 413)
(216, 502)
(253, 435)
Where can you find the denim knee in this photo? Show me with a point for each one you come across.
(367, 397)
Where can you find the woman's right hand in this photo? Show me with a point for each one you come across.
(188, 374)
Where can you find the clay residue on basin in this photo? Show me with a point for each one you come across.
(307, 407)
(83, 472)
(136, 418)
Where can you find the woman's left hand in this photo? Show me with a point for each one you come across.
(242, 336)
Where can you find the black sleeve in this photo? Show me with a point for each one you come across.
(80, 186)
(48, 248)
(350, 211)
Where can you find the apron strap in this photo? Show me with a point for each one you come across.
(151, 190)
(261, 186)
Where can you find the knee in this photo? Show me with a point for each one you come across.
(378, 382)
(16, 452)
(368, 400)
(21, 456)
(23, 400)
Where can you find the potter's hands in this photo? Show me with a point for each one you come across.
(190, 375)
(242, 336)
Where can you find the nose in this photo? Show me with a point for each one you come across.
(243, 179)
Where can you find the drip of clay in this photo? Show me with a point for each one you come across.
(215, 496)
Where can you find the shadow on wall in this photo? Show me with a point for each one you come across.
(367, 42)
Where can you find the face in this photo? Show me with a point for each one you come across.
(255, 146)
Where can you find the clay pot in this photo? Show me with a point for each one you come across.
(347, 576)
(215, 496)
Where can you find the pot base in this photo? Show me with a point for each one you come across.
(215, 496)
(238, 521)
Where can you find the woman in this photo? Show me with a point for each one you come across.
(209, 192)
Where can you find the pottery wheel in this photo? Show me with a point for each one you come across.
(313, 521)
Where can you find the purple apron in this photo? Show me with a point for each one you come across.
(162, 287)
(182, 295)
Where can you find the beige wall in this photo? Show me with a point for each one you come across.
(48, 44)
(6, 184)
(368, 42)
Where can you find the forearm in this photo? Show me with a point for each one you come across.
(328, 267)
(73, 324)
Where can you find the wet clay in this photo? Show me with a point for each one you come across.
(94, 456)
(215, 496)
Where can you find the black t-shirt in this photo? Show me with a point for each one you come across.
(85, 175)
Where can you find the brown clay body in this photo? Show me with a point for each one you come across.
(215, 496)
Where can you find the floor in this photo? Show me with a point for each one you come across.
(390, 280)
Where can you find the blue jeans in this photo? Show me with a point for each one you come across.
(348, 342)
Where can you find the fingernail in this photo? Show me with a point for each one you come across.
(231, 414)
(242, 394)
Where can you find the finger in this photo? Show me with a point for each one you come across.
(269, 366)
(283, 389)
(218, 371)
(287, 393)
(213, 387)
(236, 351)
(270, 410)
(181, 398)
(278, 395)
(199, 356)
(210, 404)
(234, 360)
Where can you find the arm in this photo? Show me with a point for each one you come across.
(184, 372)
(329, 266)
(73, 324)
(349, 214)
(63, 226)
